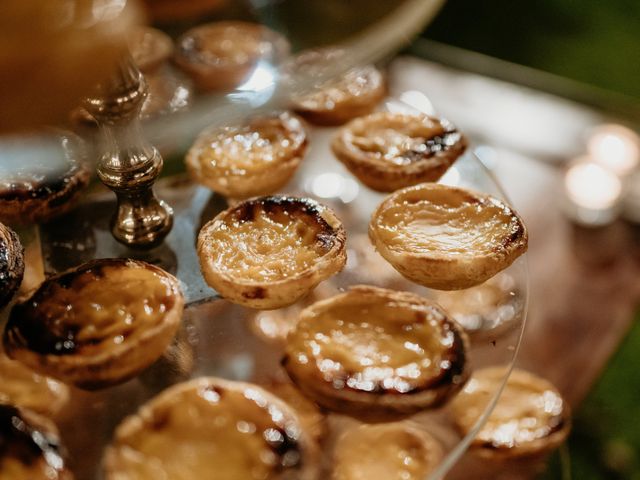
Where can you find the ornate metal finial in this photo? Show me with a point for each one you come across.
(129, 165)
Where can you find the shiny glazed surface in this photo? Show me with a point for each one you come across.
(399, 139)
(374, 342)
(75, 313)
(530, 409)
(208, 427)
(250, 148)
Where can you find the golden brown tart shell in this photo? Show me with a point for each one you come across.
(391, 451)
(289, 245)
(256, 158)
(11, 264)
(222, 55)
(530, 419)
(209, 426)
(377, 354)
(447, 238)
(29, 447)
(388, 151)
(97, 325)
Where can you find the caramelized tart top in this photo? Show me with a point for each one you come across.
(272, 238)
(400, 139)
(92, 309)
(376, 340)
(249, 148)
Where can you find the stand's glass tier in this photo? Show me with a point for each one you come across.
(222, 339)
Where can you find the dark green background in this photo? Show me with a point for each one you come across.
(593, 41)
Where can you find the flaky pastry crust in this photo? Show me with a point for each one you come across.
(269, 252)
(96, 325)
(388, 151)
(255, 158)
(377, 354)
(391, 451)
(221, 55)
(530, 419)
(11, 264)
(209, 426)
(447, 238)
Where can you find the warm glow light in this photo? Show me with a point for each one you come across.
(591, 186)
(615, 147)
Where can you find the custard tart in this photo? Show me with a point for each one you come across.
(97, 325)
(212, 428)
(377, 354)
(42, 182)
(269, 252)
(25, 388)
(11, 264)
(352, 94)
(388, 151)
(392, 451)
(531, 418)
(255, 158)
(447, 238)
(222, 55)
(29, 447)
(150, 48)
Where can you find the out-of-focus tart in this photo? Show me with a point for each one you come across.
(221, 55)
(212, 427)
(150, 48)
(392, 451)
(336, 101)
(377, 354)
(24, 388)
(11, 264)
(42, 183)
(313, 421)
(98, 324)
(269, 252)
(257, 157)
(29, 447)
(445, 237)
(530, 418)
(388, 151)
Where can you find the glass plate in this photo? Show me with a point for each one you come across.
(222, 339)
